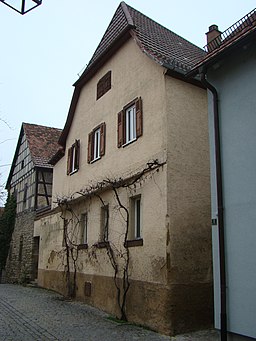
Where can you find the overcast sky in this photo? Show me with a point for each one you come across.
(43, 52)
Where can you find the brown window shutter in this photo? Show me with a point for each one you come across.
(77, 155)
(139, 118)
(90, 147)
(120, 129)
(69, 161)
(102, 138)
(104, 84)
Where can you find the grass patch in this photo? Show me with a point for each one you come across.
(115, 319)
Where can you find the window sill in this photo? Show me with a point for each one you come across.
(102, 245)
(73, 172)
(82, 247)
(134, 242)
(130, 142)
(98, 158)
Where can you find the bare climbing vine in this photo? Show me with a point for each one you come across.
(118, 254)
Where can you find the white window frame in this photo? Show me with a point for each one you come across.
(74, 151)
(96, 147)
(130, 124)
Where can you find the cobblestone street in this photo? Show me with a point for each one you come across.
(34, 314)
(30, 314)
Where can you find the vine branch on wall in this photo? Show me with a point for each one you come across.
(114, 252)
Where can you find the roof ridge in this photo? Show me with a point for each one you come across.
(39, 125)
(107, 37)
(127, 13)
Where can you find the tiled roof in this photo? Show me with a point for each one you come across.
(164, 46)
(43, 143)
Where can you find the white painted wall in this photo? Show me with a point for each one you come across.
(235, 82)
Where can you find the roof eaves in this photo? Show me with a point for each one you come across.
(220, 52)
(59, 154)
(107, 53)
(71, 112)
(15, 157)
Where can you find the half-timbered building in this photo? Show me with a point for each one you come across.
(30, 179)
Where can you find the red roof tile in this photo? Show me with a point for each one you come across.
(43, 143)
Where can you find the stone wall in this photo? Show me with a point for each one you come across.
(19, 265)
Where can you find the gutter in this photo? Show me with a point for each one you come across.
(223, 296)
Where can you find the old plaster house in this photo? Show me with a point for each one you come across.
(229, 71)
(30, 179)
(131, 232)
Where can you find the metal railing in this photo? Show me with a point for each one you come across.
(243, 24)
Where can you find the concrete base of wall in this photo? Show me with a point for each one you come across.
(168, 310)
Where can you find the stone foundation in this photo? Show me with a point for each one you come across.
(19, 265)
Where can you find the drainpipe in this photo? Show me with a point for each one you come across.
(223, 298)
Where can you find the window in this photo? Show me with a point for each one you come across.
(73, 158)
(83, 226)
(104, 84)
(96, 143)
(104, 223)
(135, 218)
(129, 124)
(96, 149)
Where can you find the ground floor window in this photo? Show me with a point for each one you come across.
(84, 228)
(135, 228)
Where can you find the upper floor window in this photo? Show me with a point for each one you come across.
(129, 123)
(104, 84)
(73, 158)
(96, 149)
(96, 143)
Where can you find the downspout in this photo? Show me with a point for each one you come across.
(223, 296)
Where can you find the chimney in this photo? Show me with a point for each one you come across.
(213, 37)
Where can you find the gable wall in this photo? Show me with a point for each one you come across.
(133, 75)
(23, 176)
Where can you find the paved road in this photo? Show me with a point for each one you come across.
(34, 314)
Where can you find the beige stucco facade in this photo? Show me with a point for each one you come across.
(170, 274)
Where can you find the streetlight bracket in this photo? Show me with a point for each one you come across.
(23, 6)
